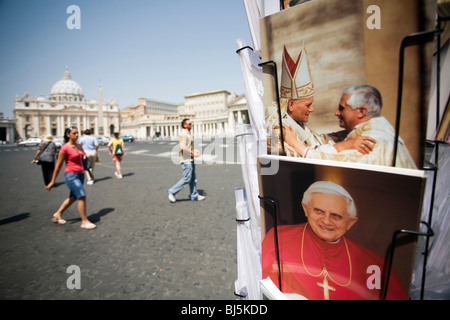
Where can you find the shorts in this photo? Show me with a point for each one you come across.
(74, 181)
(115, 158)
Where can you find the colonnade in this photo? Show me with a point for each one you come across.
(56, 124)
(199, 129)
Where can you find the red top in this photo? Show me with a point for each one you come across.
(304, 257)
(74, 159)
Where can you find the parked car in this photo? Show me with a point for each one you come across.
(102, 141)
(30, 142)
(127, 138)
(58, 142)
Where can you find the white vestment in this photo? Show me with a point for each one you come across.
(304, 134)
(383, 152)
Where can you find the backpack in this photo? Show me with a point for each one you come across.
(119, 150)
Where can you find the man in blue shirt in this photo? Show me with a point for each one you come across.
(90, 146)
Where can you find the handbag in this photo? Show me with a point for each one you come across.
(87, 165)
(37, 161)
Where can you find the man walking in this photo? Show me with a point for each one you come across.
(187, 155)
(90, 147)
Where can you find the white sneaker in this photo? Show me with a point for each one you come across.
(116, 174)
(119, 176)
(200, 198)
(90, 182)
(172, 198)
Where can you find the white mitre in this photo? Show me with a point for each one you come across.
(296, 79)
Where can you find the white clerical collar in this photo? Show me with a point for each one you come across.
(333, 242)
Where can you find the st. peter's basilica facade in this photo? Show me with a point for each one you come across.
(213, 113)
(65, 107)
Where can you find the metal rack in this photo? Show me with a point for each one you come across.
(410, 40)
(419, 39)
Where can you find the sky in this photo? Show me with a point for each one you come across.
(162, 50)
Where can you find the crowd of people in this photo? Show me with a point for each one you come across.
(74, 155)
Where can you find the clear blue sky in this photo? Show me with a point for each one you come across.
(163, 49)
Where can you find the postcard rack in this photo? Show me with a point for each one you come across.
(273, 63)
(275, 228)
(417, 39)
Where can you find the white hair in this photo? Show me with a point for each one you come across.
(365, 95)
(328, 187)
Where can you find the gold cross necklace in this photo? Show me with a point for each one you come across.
(325, 273)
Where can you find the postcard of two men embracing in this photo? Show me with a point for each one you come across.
(336, 84)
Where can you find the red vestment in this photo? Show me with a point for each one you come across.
(303, 263)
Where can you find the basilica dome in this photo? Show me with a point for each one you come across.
(66, 86)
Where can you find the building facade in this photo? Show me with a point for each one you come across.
(213, 114)
(65, 107)
(7, 131)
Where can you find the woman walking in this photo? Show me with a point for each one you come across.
(72, 154)
(117, 150)
(46, 155)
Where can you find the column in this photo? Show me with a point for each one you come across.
(231, 123)
(48, 124)
(35, 132)
(86, 122)
(20, 127)
(239, 114)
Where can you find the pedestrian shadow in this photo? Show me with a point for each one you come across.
(95, 217)
(15, 218)
(101, 179)
(183, 199)
(200, 192)
(128, 174)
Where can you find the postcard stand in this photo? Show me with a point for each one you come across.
(275, 72)
(275, 228)
(410, 40)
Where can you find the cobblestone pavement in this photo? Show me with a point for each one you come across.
(144, 247)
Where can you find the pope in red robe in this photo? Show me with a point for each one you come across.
(318, 262)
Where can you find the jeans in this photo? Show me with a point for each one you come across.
(74, 181)
(189, 177)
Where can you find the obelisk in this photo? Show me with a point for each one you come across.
(100, 111)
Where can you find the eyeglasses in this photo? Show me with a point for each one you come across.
(72, 127)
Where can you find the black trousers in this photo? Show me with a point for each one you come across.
(47, 171)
